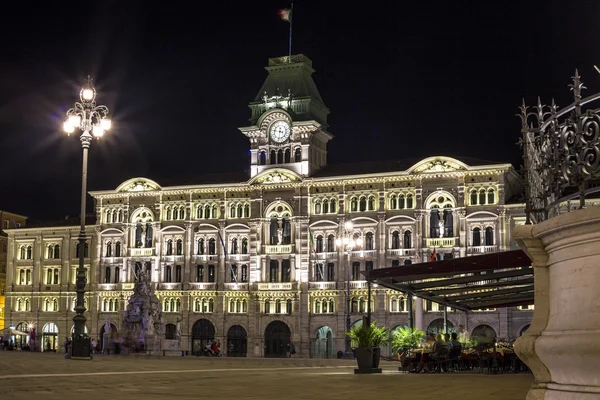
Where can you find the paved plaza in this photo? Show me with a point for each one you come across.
(49, 376)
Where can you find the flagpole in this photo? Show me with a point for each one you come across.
(290, 46)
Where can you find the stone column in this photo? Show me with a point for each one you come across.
(561, 345)
(419, 313)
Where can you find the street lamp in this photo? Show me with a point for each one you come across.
(87, 117)
(349, 244)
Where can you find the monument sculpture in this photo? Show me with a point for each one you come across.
(143, 321)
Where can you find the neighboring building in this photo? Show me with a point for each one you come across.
(252, 261)
(7, 220)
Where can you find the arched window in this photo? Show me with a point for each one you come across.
(108, 249)
(331, 243)
(267, 307)
(369, 241)
(491, 196)
(200, 247)
(197, 305)
(354, 305)
(169, 250)
(297, 154)
(117, 274)
(244, 275)
(287, 156)
(232, 211)
(395, 240)
(482, 196)
(331, 306)
(280, 156)
(476, 237)
(240, 211)
(332, 206)
(371, 203)
(107, 275)
(409, 201)
(199, 210)
(118, 249)
(394, 304)
(407, 240)
(473, 197)
(49, 252)
(325, 207)
(169, 213)
(263, 158)
(211, 246)
(29, 252)
(214, 213)
(354, 204)
(179, 247)
(362, 305)
(120, 215)
(288, 306)
(244, 246)
(168, 273)
(178, 273)
(56, 251)
(234, 246)
(393, 202)
(318, 306)
(318, 207)
(363, 204)
(489, 236)
(277, 306)
(319, 245)
(247, 211)
(273, 157)
(401, 202)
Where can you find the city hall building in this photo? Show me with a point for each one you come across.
(254, 261)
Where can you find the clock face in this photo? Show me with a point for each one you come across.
(280, 131)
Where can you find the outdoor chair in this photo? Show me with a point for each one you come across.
(439, 359)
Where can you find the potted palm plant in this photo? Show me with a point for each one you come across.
(405, 339)
(367, 339)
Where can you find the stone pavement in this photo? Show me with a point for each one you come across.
(31, 376)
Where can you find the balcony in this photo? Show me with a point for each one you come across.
(327, 255)
(206, 257)
(441, 242)
(279, 249)
(401, 252)
(356, 285)
(364, 253)
(235, 286)
(135, 252)
(275, 286)
(322, 285)
(239, 257)
(169, 285)
(203, 286)
(482, 249)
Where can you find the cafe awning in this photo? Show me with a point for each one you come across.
(492, 280)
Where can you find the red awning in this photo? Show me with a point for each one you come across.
(492, 280)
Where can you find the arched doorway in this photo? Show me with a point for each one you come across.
(203, 334)
(113, 336)
(323, 346)
(522, 331)
(277, 339)
(19, 340)
(50, 337)
(237, 341)
(437, 326)
(483, 334)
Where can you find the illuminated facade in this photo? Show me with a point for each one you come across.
(253, 261)
(7, 220)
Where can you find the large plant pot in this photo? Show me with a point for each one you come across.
(364, 358)
(376, 353)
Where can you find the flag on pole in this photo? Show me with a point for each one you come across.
(433, 256)
(233, 275)
(286, 14)
(312, 243)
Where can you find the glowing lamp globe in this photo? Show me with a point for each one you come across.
(105, 123)
(348, 225)
(74, 120)
(97, 131)
(68, 128)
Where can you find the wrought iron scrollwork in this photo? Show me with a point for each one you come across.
(561, 152)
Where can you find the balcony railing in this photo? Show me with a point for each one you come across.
(275, 286)
(279, 249)
(206, 257)
(401, 252)
(169, 285)
(482, 249)
(239, 257)
(203, 285)
(327, 255)
(323, 285)
(235, 286)
(135, 252)
(364, 253)
(441, 242)
(356, 285)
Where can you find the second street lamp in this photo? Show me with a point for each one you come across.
(92, 120)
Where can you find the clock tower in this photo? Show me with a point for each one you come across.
(289, 120)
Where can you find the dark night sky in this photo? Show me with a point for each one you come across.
(402, 79)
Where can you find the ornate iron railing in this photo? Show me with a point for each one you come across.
(561, 153)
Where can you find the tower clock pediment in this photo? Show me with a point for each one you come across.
(275, 176)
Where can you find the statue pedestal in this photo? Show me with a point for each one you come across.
(561, 346)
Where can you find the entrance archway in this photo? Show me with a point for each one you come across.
(437, 326)
(113, 336)
(277, 339)
(22, 341)
(323, 346)
(483, 334)
(203, 334)
(50, 337)
(237, 341)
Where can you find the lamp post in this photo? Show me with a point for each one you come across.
(349, 243)
(87, 117)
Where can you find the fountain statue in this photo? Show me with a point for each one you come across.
(143, 321)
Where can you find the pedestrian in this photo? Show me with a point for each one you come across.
(93, 345)
(292, 349)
